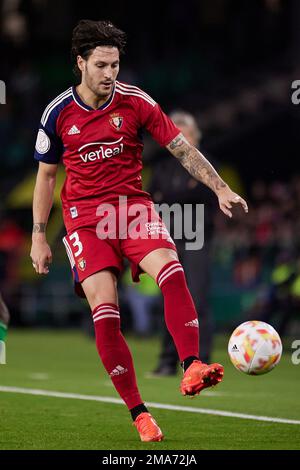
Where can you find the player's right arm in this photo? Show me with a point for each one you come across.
(48, 152)
(42, 202)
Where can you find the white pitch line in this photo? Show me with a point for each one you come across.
(162, 406)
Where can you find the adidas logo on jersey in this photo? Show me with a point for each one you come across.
(74, 130)
(118, 371)
(194, 323)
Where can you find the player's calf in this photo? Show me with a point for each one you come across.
(180, 312)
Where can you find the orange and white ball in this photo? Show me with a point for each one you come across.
(255, 347)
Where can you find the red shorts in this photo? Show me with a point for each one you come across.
(99, 237)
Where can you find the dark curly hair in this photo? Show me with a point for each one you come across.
(89, 34)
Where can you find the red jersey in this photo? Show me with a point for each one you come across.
(101, 149)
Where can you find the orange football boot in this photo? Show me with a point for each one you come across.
(147, 427)
(199, 376)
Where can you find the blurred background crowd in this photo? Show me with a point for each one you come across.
(231, 64)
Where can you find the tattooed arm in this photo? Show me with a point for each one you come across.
(200, 168)
(42, 202)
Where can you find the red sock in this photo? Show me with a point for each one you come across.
(114, 353)
(180, 312)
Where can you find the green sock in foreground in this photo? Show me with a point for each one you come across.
(3, 334)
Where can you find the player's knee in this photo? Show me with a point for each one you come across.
(156, 260)
(98, 298)
(171, 273)
(101, 288)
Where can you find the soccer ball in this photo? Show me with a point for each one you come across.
(255, 347)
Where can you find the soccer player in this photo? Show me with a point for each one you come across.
(96, 129)
(4, 320)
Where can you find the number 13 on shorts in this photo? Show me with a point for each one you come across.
(76, 243)
(74, 247)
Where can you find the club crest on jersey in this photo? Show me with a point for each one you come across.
(81, 264)
(116, 121)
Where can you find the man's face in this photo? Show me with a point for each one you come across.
(100, 70)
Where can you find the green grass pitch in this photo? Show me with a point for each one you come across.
(68, 362)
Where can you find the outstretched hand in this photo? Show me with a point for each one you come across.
(227, 198)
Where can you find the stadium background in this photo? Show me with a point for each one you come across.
(231, 63)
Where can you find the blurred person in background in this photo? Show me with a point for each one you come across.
(183, 189)
(12, 240)
(95, 127)
(4, 320)
(143, 299)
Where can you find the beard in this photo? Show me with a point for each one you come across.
(98, 89)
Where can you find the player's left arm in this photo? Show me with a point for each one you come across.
(202, 170)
